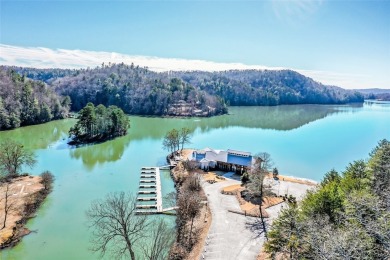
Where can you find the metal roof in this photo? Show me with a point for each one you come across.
(238, 152)
(230, 156)
(239, 160)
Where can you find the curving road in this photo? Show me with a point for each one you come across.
(230, 235)
(234, 236)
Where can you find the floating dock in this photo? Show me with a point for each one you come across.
(150, 185)
(149, 199)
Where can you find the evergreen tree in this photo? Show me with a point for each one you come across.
(99, 123)
(347, 217)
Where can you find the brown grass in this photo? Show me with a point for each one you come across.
(248, 207)
(271, 201)
(212, 176)
(232, 188)
(186, 153)
(263, 255)
(22, 189)
(253, 210)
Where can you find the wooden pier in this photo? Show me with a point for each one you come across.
(150, 184)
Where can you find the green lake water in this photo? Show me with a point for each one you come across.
(303, 140)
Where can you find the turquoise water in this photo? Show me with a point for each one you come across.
(303, 140)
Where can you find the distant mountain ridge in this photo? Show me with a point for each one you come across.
(373, 91)
(267, 87)
(141, 91)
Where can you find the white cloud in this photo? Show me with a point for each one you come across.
(294, 12)
(40, 57)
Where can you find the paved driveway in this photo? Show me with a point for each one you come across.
(231, 235)
(234, 236)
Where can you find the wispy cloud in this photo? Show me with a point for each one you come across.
(295, 11)
(40, 57)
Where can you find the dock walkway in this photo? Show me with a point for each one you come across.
(149, 199)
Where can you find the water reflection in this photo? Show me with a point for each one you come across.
(54, 134)
(94, 154)
(40, 136)
(308, 152)
(275, 118)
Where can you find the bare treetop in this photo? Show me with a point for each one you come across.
(115, 227)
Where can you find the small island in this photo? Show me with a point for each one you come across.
(97, 124)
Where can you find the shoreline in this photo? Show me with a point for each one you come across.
(294, 179)
(232, 214)
(293, 185)
(203, 221)
(26, 196)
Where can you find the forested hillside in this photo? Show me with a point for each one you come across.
(141, 91)
(25, 102)
(45, 75)
(375, 93)
(267, 87)
(347, 217)
(135, 90)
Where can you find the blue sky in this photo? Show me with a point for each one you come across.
(341, 42)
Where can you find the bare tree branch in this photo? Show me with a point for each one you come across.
(115, 227)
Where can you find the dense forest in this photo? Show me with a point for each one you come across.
(99, 124)
(267, 87)
(45, 75)
(141, 91)
(375, 93)
(347, 217)
(134, 89)
(25, 102)
(383, 96)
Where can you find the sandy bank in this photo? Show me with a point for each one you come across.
(294, 179)
(23, 195)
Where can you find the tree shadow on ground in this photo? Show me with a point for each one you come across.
(255, 226)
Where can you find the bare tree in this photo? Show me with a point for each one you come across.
(115, 227)
(171, 141)
(193, 183)
(190, 165)
(13, 156)
(189, 206)
(184, 136)
(9, 204)
(170, 199)
(47, 180)
(162, 239)
(367, 212)
(263, 163)
(324, 240)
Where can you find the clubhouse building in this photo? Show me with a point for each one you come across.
(229, 160)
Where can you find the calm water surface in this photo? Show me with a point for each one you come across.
(303, 140)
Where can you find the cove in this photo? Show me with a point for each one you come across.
(303, 140)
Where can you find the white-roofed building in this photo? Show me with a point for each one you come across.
(229, 160)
